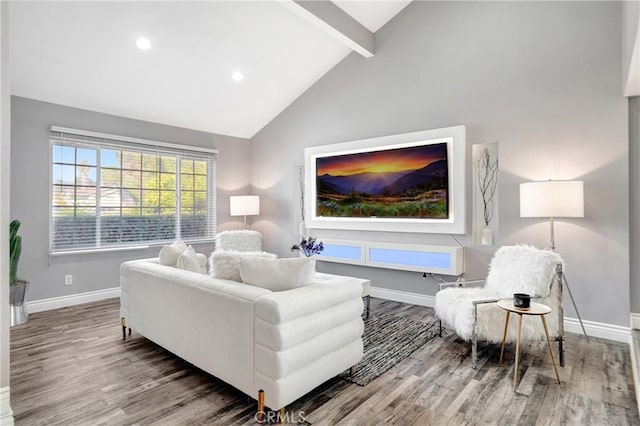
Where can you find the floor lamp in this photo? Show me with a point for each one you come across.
(553, 199)
(244, 205)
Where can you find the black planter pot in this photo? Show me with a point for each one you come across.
(16, 301)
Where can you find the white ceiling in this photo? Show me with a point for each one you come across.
(83, 54)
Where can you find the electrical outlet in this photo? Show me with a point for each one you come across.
(68, 279)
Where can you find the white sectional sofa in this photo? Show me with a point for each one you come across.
(283, 343)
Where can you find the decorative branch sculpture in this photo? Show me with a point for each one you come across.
(487, 173)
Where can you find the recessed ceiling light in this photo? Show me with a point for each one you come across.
(237, 76)
(143, 43)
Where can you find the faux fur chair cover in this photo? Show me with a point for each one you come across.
(513, 269)
(242, 240)
(230, 247)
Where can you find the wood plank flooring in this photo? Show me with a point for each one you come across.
(70, 367)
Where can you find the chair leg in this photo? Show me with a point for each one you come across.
(474, 351)
(124, 332)
(440, 325)
(474, 338)
(561, 350)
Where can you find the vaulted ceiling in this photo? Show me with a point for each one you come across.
(84, 54)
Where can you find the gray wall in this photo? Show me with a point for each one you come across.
(31, 121)
(634, 200)
(543, 79)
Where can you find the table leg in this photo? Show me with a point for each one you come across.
(553, 359)
(515, 370)
(504, 335)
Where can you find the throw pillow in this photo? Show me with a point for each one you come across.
(169, 254)
(224, 263)
(278, 274)
(188, 260)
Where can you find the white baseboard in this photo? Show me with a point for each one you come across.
(572, 325)
(6, 415)
(635, 321)
(614, 332)
(70, 300)
(634, 371)
(403, 296)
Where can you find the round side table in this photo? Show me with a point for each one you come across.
(536, 309)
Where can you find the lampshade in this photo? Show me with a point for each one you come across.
(244, 205)
(552, 198)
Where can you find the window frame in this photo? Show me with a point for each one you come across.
(97, 141)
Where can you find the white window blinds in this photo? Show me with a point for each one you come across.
(111, 191)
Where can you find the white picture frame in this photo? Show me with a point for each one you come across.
(455, 137)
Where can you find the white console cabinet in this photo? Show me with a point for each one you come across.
(444, 260)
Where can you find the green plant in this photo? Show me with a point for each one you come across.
(15, 248)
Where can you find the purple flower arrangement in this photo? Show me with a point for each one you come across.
(309, 246)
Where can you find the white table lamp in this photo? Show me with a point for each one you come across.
(552, 199)
(244, 205)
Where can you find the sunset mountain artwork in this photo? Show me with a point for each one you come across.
(410, 182)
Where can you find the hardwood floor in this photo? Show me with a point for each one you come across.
(70, 367)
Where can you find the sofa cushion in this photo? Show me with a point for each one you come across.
(224, 263)
(202, 261)
(278, 274)
(169, 254)
(189, 261)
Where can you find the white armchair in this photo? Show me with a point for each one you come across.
(231, 246)
(241, 240)
(473, 314)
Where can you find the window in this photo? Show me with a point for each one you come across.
(109, 192)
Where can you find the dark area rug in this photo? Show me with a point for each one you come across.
(388, 339)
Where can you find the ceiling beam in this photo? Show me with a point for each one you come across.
(631, 47)
(632, 85)
(335, 22)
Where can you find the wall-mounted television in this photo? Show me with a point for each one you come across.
(412, 182)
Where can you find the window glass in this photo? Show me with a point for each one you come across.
(106, 196)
